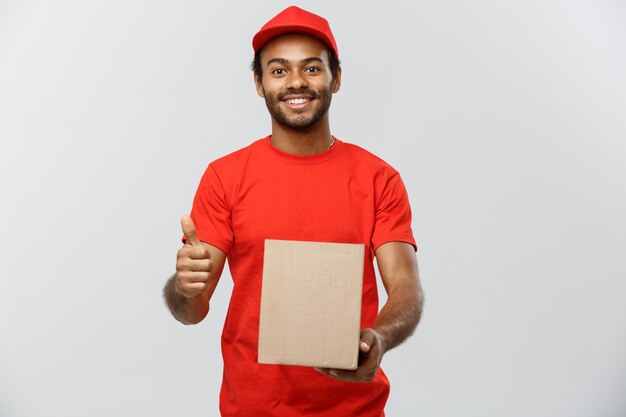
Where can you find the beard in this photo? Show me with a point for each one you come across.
(299, 121)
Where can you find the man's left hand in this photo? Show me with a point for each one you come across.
(370, 354)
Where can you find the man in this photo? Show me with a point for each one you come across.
(299, 183)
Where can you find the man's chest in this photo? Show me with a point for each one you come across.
(313, 204)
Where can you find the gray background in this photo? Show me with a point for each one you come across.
(505, 118)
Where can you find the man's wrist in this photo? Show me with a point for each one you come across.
(383, 338)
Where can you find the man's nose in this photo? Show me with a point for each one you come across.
(296, 80)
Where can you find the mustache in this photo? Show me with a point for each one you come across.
(301, 91)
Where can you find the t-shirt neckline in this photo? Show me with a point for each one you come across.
(304, 159)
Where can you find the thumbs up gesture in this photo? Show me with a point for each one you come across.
(193, 263)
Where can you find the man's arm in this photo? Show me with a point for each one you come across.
(401, 313)
(399, 316)
(198, 268)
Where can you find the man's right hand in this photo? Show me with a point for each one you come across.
(193, 263)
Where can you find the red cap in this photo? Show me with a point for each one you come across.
(295, 20)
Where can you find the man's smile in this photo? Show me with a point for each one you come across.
(298, 99)
(297, 102)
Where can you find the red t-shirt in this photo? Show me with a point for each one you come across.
(343, 195)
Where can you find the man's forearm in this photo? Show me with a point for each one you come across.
(186, 310)
(400, 315)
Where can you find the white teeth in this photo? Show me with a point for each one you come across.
(297, 100)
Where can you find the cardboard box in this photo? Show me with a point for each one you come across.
(311, 304)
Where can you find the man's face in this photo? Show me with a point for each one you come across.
(297, 83)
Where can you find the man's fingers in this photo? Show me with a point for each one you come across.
(200, 251)
(197, 265)
(193, 276)
(189, 230)
(191, 289)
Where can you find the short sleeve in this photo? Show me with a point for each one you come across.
(211, 212)
(393, 215)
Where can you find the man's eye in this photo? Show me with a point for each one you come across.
(278, 71)
(312, 69)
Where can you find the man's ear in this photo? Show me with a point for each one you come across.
(259, 86)
(337, 81)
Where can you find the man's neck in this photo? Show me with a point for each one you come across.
(298, 142)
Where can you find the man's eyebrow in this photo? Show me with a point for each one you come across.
(286, 61)
(277, 61)
(312, 59)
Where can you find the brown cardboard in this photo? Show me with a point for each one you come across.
(311, 304)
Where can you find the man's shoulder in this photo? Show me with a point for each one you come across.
(368, 158)
(235, 158)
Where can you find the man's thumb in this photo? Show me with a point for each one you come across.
(367, 340)
(189, 230)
